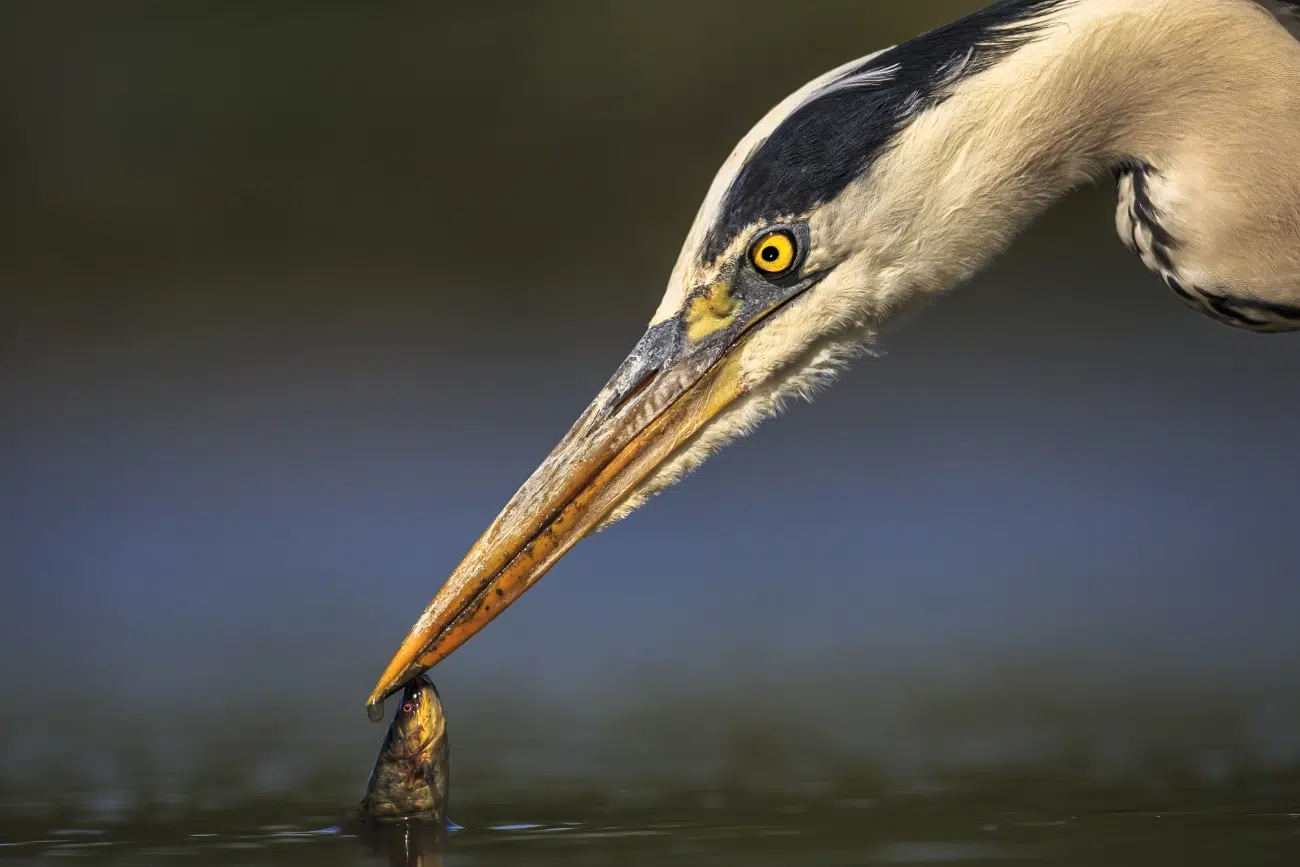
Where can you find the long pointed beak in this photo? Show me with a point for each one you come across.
(681, 374)
(658, 400)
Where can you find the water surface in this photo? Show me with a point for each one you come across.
(1238, 826)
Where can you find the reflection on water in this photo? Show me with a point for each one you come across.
(409, 844)
(1258, 825)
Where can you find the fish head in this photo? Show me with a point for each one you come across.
(418, 729)
(410, 777)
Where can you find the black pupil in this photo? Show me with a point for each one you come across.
(770, 253)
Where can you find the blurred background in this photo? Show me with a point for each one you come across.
(293, 300)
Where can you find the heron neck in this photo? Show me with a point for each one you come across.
(1108, 82)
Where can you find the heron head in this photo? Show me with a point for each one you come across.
(805, 245)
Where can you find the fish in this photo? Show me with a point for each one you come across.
(411, 780)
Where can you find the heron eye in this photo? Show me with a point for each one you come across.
(407, 707)
(773, 253)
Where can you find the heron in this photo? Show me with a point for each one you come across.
(884, 183)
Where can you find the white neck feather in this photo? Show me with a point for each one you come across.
(1206, 88)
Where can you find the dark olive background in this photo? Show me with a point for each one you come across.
(294, 297)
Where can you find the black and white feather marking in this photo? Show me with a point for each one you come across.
(1138, 220)
(836, 134)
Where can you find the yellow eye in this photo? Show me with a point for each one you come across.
(773, 253)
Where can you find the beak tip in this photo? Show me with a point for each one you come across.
(375, 709)
(405, 666)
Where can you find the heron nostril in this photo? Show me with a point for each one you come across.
(635, 390)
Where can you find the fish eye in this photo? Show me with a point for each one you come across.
(408, 706)
(774, 252)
